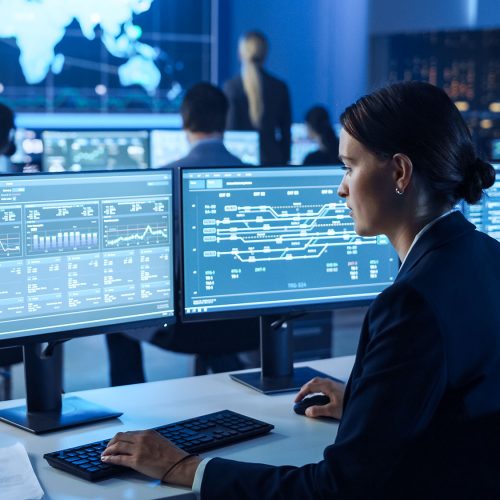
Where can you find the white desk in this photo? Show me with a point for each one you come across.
(295, 440)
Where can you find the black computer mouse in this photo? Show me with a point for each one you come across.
(318, 399)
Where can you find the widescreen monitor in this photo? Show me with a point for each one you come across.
(302, 144)
(495, 149)
(84, 253)
(274, 240)
(90, 150)
(244, 144)
(485, 215)
(168, 146)
(29, 147)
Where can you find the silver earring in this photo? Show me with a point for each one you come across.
(399, 192)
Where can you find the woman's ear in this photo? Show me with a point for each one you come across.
(403, 171)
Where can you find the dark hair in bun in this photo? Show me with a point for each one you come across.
(420, 121)
(478, 175)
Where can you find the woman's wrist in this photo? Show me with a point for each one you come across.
(183, 474)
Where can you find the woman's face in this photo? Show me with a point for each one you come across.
(368, 187)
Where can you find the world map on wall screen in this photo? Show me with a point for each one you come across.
(102, 55)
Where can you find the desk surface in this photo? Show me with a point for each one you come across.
(157, 403)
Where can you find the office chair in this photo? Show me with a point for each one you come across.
(9, 356)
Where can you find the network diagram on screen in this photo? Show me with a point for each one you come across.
(271, 237)
(99, 252)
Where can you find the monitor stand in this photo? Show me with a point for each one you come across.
(45, 409)
(277, 373)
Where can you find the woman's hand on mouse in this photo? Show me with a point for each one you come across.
(334, 390)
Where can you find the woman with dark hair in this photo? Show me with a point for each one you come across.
(420, 415)
(319, 128)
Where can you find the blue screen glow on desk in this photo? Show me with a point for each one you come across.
(261, 238)
(84, 250)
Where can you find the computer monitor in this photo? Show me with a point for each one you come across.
(485, 215)
(271, 241)
(29, 149)
(80, 254)
(244, 144)
(168, 146)
(90, 150)
(495, 149)
(302, 145)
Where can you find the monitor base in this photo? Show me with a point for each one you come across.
(75, 411)
(275, 385)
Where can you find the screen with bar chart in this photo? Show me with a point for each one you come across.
(84, 250)
(275, 238)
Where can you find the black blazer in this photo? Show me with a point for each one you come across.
(421, 410)
(274, 133)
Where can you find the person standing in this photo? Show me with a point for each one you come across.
(260, 101)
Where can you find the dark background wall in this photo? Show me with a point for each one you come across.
(321, 47)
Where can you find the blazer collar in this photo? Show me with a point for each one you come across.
(448, 228)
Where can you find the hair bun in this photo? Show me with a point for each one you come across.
(478, 175)
(486, 172)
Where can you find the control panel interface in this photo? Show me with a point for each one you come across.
(275, 237)
(84, 250)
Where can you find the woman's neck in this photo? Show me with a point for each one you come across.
(402, 239)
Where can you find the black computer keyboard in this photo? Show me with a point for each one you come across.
(193, 435)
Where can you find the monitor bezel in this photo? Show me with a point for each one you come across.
(59, 336)
(43, 156)
(284, 310)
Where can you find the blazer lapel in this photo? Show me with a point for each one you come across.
(442, 232)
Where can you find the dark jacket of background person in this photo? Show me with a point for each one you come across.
(274, 132)
(422, 407)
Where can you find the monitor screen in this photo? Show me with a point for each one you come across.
(485, 215)
(167, 146)
(302, 145)
(495, 149)
(29, 147)
(274, 238)
(82, 251)
(87, 150)
(244, 144)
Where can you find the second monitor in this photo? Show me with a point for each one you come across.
(168, 146)
(83, 150)
(275, 238)
(275, 242)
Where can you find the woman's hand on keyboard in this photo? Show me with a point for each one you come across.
(151, 454)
